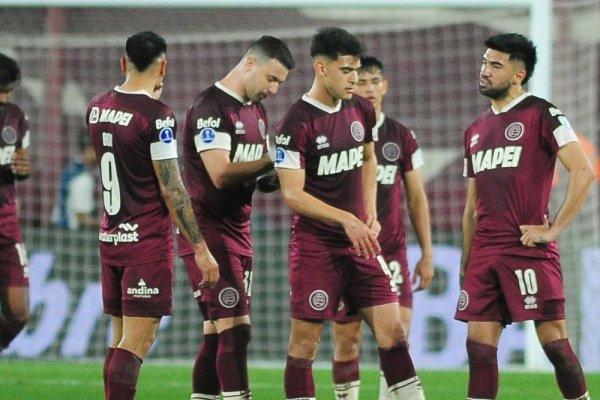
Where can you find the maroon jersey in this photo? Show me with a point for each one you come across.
(511, 154)
(128, 131)
(328, 144)
(220, 119)
(397, 153)
(14, 135)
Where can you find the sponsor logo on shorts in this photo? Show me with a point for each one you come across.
(357, 131)
(229, 297)
(530, 303)
(463, 300)
(142, 291)
(318, 300)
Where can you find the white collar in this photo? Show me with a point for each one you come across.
(232, 93)
(511, 104)
(321, 106)
(118, 89)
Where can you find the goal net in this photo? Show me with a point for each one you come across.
(432, 57)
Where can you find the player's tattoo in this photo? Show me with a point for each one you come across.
(178, 200)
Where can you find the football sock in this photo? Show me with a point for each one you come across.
(298, 379)
(400, 374)
(205, 380)
(8, 333)
(483, 370)
(567, 369)
(232, 358)
(109, 353)
(122, 375)
(346, 379)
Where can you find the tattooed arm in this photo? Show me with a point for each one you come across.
(180, 208)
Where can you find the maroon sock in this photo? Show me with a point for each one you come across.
(346, 371)
(396, 364)
(483, 370)
(567, 369)
(232, 358)
(107, 358)
(8, 333)
(122, 375)
(204, 375)
(298, 378)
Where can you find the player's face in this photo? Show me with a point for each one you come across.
(6, 91)
(372, 86)
(340, 76)
(497, 74)
(264, 79)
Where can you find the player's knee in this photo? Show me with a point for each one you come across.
(561, 355)
(481, 354)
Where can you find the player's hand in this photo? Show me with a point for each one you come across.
(423, 273)
(20, 164)
(363, 240)
(373, 224)
(537, 235)
(208, 267)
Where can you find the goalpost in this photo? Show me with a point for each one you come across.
(432, 51)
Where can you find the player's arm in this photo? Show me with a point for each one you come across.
(301, 202)
(418, 212)
(21, 166)
(369, 177)
(468, 225)
(180, 208)
(224, 173)
(581, 176)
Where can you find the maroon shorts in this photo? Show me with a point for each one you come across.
(13, 266)
(512, 289)
(231, 295)
(142, 290)
(322, 276)
(398, 268)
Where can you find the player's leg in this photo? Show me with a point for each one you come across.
(302, 349)
(567, 369)
(232, 356)
(14, 292)
(346, 345)
(406, 319)
(482, 349)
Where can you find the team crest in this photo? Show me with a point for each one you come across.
(229, 297)
(463, 300)
(357, 131)
(391, 151)
(9, 135)
(514, 131)
(262, 128)
(318, 300)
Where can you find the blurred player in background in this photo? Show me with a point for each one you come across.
(510, 259)
(399, 159)
(14, 165)
(328, 173)
(133, 134)
(225, 149)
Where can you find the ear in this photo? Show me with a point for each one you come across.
(163, 67)
(320, 68)
(249, 63)
(123, 64)
(384, 86)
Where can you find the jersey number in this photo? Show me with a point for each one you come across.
(110, 184)
(386, 270)
(527, 281)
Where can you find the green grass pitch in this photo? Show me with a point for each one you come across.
(64, 380)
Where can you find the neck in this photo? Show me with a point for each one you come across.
(319, 92)
(234, 82)
(512, 94)
(135, 83)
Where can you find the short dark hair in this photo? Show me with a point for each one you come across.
(273, 48)
(370, 64)
(9, 71)
(519, 47)
(335, 42)
(143, 48)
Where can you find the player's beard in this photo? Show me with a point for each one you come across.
(495, 93)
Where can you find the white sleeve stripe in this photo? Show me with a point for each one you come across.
(163, 151)
(222, 141)
(26, 140)
(290, 161)
(564, 135)
(417, 159)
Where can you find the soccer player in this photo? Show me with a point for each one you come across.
(399, 159)
(327, 169)
(14, 165)
(133, 134)
(510, 263)
(225, 148)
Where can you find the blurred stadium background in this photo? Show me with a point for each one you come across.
(432, 57)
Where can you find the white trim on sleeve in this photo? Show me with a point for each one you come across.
(163, 151)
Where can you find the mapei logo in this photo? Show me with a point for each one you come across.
(209, 122)
(168, 122)
(322, 142)
(142, 291)
(339, 162)
(500, 157)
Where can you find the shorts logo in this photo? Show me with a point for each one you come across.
(530, 303)
(514, 131)
(166, 135)
(207, 135)
(142, 291)
(391, 151)
(357, 131)
(463, 300)
(9, 135)
(318, 300)
(229, 297)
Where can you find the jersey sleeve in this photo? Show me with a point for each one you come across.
(290, 140)
(24, 133)
(468, 165)
(209, 124)
(163, 145)
(558, 130)
(412, 157)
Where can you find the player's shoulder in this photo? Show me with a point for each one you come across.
(361, 102)
(13, 110)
